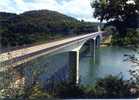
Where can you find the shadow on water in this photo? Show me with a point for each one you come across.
(48, 70)
(109, 60)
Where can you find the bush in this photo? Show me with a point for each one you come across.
(113, 87)
(130, 38)
(67, 90)
(108, 87)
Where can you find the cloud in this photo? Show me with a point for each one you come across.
(6, 5)
(79, 9)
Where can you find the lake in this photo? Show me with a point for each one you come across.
(109, 60)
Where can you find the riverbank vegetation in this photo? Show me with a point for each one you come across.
(130, 39)
(123, 16)
(108, 87)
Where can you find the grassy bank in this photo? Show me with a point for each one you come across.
(106, 41)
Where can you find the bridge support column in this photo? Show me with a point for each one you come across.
(74, 67)
(93, 49)
(98, 42)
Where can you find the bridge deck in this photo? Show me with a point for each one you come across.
(29, 50)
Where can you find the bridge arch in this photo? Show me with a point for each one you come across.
(95, 41)
(74, 56)
(73, 46)
(92, 44)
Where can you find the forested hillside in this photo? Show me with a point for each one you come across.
(40, 25)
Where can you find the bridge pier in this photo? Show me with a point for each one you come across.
(74, 67)
(74, 60)
(98, 41)
(93, 49)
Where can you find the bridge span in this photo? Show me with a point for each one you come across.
(71, 45)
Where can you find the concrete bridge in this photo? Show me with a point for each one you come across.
(72, 45)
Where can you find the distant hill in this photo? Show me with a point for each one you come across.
(5, 16)
(39, 25)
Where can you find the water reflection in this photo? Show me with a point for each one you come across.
(109, 60)
(46, 68)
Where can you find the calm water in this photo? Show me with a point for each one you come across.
(49, 69)
(109, 60)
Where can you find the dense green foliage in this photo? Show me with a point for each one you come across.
(122, 14)
(131, 38)
(115, 87)
(108, 87)
(41, 25)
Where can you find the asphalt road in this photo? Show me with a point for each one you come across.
(6, 56)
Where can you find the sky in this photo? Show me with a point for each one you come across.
(79, 9)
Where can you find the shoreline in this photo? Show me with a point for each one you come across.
(106, 41)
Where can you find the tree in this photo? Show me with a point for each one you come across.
(122, 14)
